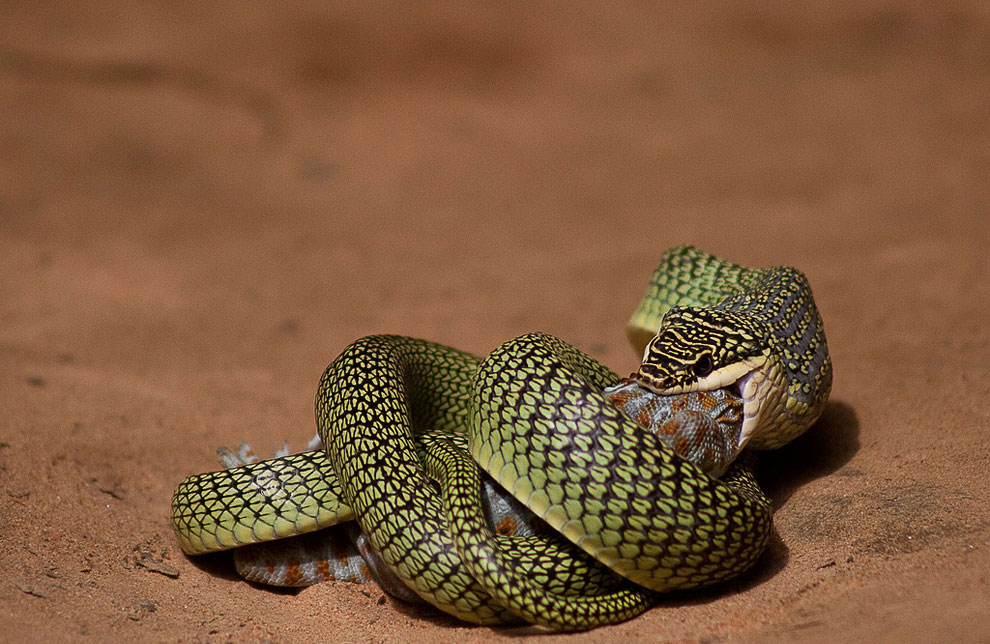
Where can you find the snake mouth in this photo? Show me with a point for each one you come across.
(743, 378)
(750, 389)
(723, 377)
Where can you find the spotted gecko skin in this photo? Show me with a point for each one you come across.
(702, 427)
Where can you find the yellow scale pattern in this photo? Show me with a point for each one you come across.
(539, 424)
(259, 502)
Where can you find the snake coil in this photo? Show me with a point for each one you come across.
(538, 423)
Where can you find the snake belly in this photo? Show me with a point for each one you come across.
(539, 425)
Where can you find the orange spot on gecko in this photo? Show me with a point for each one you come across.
(366, 572)
(645, 415)
(619, 399)
(506, 527)
(707, 400)
(669, 428)
(728, 418)
(323, 570)
(292, 574)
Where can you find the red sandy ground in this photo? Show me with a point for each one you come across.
(201, 204)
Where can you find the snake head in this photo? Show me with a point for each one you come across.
(698, 349)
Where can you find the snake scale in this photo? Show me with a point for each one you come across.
(632, 512)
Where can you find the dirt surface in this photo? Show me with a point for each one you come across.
(202, 204)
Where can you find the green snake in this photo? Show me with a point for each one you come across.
(537, 421)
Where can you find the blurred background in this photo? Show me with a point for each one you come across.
(454, 170)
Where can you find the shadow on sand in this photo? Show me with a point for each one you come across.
(822, 450)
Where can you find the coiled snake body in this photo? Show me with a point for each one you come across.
(538, 422)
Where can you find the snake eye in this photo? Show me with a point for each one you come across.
(703, 366)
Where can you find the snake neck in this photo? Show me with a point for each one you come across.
(787, 394)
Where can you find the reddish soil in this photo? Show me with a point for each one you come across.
(201, 204)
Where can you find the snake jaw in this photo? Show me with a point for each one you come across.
(757, 388)
(752, 377)
(724, 377)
